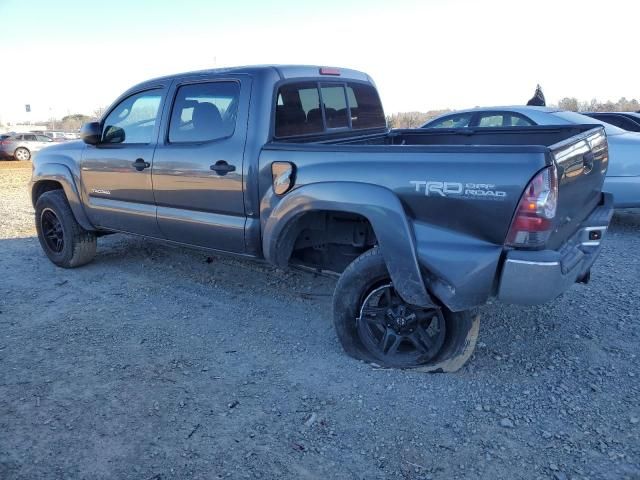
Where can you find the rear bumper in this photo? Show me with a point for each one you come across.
(534, 277)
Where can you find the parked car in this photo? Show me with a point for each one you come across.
(629, 121)
(623, 177)
(296, 165)
(56, 136)
(21, 146)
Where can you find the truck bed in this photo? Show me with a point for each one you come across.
(503, 157)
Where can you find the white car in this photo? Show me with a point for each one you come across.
(623, 176)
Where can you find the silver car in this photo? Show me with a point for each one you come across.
(623, 176)
(22, 145)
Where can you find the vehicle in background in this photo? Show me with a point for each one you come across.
(22, 146)
(623, 176)
(296, 165)
(56, 136)
(71, 135)
(629, 121)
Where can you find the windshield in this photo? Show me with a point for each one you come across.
(574, 117)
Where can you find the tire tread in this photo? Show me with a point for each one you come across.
(83, 242)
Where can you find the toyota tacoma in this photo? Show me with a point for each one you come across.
(295, 165)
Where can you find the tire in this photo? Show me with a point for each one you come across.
(22, 154)
(451, 337)
(63, 240)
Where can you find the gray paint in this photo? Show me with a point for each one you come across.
(379, 205)
(552, 272)
(449, 245)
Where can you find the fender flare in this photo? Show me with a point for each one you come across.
(61, 174)
(379, 205)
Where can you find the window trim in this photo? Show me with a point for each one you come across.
(117, 103)
(325, 131)
(185, 83)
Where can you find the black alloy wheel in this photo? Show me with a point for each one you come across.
(52, 231)
(397, 333)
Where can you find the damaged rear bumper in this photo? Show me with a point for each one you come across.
(534, 277)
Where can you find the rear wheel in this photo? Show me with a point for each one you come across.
(63, 240)
(22, 154)
(375, 324)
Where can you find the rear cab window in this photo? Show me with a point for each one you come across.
(310, 107)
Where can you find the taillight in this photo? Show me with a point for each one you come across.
(533, 222)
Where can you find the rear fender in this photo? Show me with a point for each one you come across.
(380, 206)
(61, 174)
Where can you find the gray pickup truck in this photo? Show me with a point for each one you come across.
(296, 165)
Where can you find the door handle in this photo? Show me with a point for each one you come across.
(140, 164)
(222, 168)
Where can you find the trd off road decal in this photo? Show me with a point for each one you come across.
(486, 191)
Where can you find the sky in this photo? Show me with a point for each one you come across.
(68, 56)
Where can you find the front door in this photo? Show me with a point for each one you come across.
(116, 173)
(198, 166)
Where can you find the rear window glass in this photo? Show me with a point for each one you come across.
(346, 105)
(573, 117)
(460, 120)
(335, 106)
(366, 108)
(298, 110)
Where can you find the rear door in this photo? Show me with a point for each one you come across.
(116, 173)
(198, 168)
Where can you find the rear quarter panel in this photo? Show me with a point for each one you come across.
(459, 201)
(469, 190)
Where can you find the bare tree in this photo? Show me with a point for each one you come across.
(569, 103)
(97, 113)
(412, 119)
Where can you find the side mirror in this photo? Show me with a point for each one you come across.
(91, 133)
(113, 134)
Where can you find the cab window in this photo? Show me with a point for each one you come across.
(133, 120)
(204, 112)
(344, 105)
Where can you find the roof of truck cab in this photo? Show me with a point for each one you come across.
(283, 71)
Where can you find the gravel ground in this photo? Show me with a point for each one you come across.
(160, 363)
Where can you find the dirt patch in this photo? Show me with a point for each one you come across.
(14, 164)
(155, 362)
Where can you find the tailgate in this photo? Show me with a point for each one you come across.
(582, 162)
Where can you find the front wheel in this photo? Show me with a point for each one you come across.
(62, 238)
(375, 324)
(22, 154)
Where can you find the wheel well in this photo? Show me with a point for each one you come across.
(329, 240)
(42, 187)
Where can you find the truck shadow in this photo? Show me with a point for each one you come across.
(625, 219)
